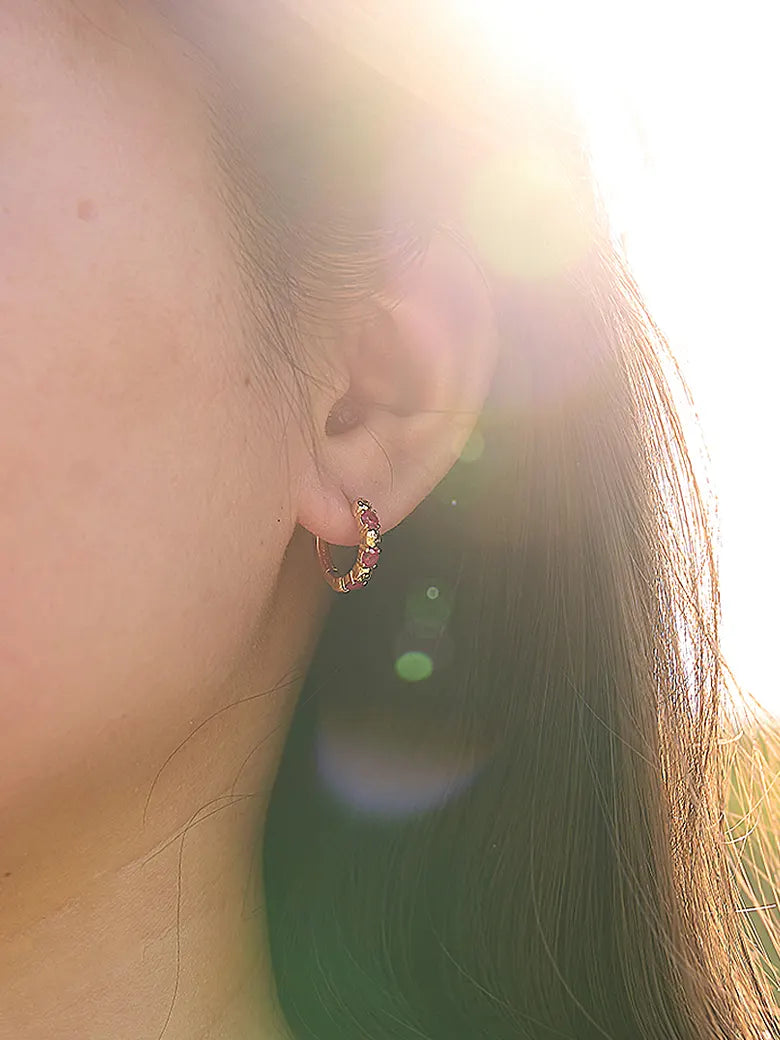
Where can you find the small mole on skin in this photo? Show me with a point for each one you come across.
(86, 209)
(7, 873)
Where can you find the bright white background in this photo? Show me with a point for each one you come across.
(683, 98)
(702, 231)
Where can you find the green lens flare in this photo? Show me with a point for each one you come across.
(413, 666)
(428, 608)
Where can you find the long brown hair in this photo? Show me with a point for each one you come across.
(532, 839)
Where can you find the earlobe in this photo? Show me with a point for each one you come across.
(417, 381)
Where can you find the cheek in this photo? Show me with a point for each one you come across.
(130, 518)
(112, 519)
(133, 512)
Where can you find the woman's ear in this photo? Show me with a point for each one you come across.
(409, 389)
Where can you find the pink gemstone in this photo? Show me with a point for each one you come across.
(369, 557)
(351, 585)
(370, 519)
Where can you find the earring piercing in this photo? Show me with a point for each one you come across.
(367, 555)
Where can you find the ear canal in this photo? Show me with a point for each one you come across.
(344, 415)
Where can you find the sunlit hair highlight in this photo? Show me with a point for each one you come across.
(550, 831)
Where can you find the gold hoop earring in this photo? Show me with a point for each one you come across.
(367, 556)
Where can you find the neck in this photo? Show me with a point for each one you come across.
(172, 942)
(131, 897)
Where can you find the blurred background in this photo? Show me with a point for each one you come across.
(682, 103)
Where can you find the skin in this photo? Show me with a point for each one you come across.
(157, 578)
